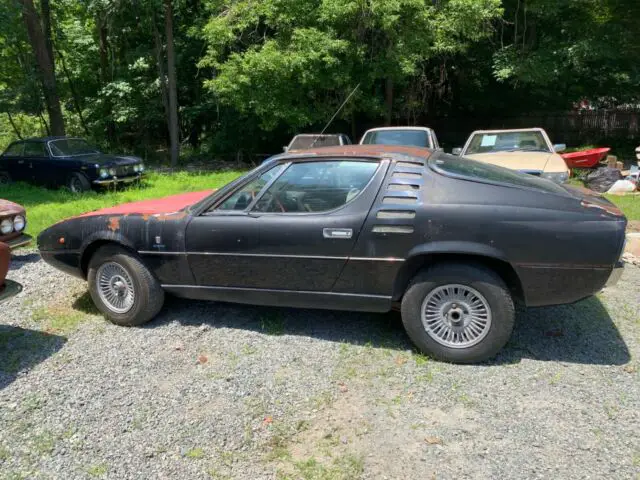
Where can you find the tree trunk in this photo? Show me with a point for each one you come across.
(74, 94)
(173, 93)
(388, 101)
(13, 125)
(45, 66)
(103, 47)
(45, 8)
(160, 64)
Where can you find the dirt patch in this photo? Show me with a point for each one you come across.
(633, 226)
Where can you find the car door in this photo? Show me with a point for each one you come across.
(296, 234)
(13, 161)
(36, 162)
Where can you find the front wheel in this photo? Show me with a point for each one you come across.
(5, 178)
(79, 183)
(122, 287)
(458, 313)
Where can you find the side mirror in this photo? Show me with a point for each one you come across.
(456, 151)
(285, 149)
(560, 147)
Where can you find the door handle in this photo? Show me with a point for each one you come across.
(345, 233)
(20, 162)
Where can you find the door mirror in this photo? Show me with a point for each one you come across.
(456, 151)
(560, 147)
(285, 149)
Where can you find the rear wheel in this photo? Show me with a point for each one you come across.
(5, 178)
(79, 183)
(458, 313)
(122, 288)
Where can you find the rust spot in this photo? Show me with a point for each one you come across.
(114, 224)
(171, 216)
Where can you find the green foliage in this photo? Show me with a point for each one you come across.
(251, 73)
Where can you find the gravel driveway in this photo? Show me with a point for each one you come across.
(222, 391)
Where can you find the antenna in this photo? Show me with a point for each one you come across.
(335, 115)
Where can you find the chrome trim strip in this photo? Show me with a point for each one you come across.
(311, 257)
(248, 289)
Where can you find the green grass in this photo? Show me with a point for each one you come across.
(629, 204)
(47, 206)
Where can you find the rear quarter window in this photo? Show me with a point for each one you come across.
(467, 169)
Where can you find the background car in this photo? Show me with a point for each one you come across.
(312, 140)
(364, 227)
(526, 150)
(13, 222)
(408, 136)
(66, 161)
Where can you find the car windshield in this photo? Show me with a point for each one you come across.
(464, 167)
(300, 142)
(416, 138)
(529, 141)
(71, 146)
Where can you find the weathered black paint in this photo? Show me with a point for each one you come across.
(553, 248)
(55, 171)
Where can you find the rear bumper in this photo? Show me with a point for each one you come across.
(617, 272)
(20, 241)
(118, 181)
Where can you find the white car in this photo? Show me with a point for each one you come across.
(407, 136)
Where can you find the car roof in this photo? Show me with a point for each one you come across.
(378, 151)
(425, 129)
(47, 139)
(509, 130)
(319, 135)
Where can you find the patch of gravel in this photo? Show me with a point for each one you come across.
(223, 391)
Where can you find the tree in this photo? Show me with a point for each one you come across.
(173, 92)
(46, 68)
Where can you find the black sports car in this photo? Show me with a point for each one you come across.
(451, 240)
(66, 161)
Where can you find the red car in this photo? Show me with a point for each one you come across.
(7, 288)
(13, 221)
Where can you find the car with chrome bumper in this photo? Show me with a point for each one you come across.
(66, 162)
(13, 222)
(527, 150)
(451, 241)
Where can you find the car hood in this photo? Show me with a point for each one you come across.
(10, 208)
(527, 161)
(165, 205)
(106, 160)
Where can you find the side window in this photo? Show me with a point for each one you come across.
(34, 149)
(15, 150)
(243, 197)
(316, 186)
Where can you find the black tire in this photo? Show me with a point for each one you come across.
(78, 183)
(5, 178)
(148, 294)
(476, 277)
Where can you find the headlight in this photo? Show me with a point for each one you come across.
(6, 226)
(558, 177)
(138, 168)
(19, 222)
(112, 172)
(104, 173)
(142, 167)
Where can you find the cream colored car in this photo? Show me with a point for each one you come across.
(527, 150)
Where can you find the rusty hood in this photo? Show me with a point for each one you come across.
(10, 208)
(164, 205)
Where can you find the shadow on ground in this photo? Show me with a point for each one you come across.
(19, 259)
(582, 333)
(22, 349)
